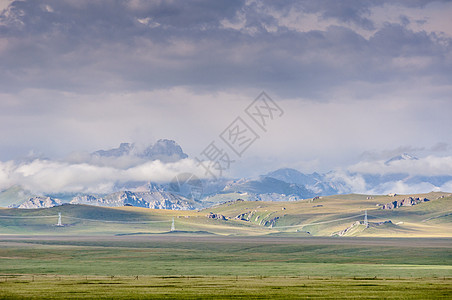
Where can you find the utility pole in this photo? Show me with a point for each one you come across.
(173, 228)
(366, 223)
(59, 220)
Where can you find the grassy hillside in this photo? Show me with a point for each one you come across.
(331, 214)
(325, 216)
(84, 219)
(128, 252)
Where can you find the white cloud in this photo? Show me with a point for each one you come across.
(346, 183)
(447, 187)
(45, 176)
(400, 187)
(428, 166)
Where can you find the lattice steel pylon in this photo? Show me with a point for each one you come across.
(59, 220)
(366, 223)
(173, 228)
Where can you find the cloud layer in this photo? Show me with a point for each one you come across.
(293, 48)
(352, 77)
(50, 177)
(130, 44)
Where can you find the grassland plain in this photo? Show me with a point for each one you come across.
(220, 287)
(128, 252)
(320, 217)
(183, 265)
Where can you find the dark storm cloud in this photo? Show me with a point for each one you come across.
(354, 11)
(352, 76)
(86, 46)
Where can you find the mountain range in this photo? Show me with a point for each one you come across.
(279, 185)
(163, 150)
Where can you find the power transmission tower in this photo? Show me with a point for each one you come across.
(59, 220)
(173, 228)
(366, 223)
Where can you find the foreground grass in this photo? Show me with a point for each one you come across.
(180, 266)
(77, 287)
(220, 256)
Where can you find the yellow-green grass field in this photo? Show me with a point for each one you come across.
(325, 216)
(129, 252)
(209, 266)
(221, 287)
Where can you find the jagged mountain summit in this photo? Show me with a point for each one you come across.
(403, 156)
(154, 196)
(40, 202)
(284, 184)
(123, 149)
(163, 150)
(152, 199)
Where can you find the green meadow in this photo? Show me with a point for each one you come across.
(181, 265)
(129, 253)
(220, 287)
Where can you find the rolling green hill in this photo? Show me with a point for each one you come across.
(341, 215)
(88, 220)
(328, 215)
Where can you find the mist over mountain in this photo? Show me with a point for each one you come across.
(100, 172)
(141, 176)
(400, 174)
(268, 185)
(403, 156)
(163, 150)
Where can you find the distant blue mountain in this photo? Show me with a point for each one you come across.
(164, 150)
(268, 185)
(331, 183)
(315, 183)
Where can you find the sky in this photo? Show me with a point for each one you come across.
(356, 81)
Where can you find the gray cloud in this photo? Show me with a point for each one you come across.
(440, 147)
(46, 176)
(83, 75)
(147, 45)
(387, 154)
(426, 166)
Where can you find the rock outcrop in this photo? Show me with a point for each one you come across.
(346, 230)
(410, 201)
(271, 222)
(217, 217)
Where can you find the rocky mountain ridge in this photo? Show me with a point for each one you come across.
(163, 150)
(40, 202)
(151, 199)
